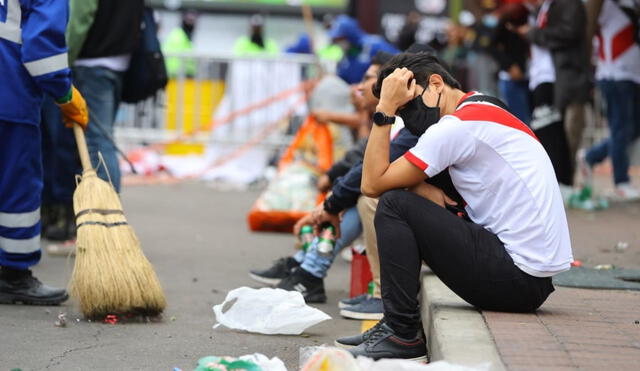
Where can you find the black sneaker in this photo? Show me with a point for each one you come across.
(310, 286)
(355, 340)
(280, 269)
(384, 343)
(22, 287)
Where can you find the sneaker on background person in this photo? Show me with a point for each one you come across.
(352, 301)
(64, 248)
(310, 286)
(625, 192)
(584, 168)
(280, 269)
(346, 255)
(369, 309)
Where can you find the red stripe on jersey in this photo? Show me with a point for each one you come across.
(484, 112)
(622, 41)
(416, 161)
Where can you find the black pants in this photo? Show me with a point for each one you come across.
(552, 134)
(470, 260)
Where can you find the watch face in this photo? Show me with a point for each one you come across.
(379, 118)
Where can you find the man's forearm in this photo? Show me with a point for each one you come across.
(376, 158)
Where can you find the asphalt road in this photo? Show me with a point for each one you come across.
(199, 243)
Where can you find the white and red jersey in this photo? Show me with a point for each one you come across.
(506, 178)
(541, 69)
(618, 52)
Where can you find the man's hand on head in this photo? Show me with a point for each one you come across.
(397, 89)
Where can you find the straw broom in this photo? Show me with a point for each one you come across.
(111, 274)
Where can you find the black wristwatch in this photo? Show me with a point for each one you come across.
(381, 119)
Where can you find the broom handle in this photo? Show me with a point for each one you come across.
(82, 147)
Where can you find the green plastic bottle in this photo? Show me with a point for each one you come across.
(326, 240)
(306, 237)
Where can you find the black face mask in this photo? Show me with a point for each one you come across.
(417, 116)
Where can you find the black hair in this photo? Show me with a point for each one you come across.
(422, 64)
(381, 58)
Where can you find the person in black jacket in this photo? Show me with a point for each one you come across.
(560, 86)
(102, 37)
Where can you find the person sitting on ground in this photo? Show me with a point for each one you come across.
(305, 271)
(346, 194)
(502, 259)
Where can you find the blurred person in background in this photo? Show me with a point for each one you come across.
(511, 52)
(33, 62)
(407, 36)
(255, 43)
(455, 53)
(358, 46)
(481, 19)
(618, 77)
(102, 36)
(330, 52)
(559, 79)
(180, 40)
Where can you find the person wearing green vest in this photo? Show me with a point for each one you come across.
(255, 43)
(180, 41)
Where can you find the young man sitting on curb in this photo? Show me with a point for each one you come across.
(517, 236)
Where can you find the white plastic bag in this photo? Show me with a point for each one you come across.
(267, 311)
(266, 364)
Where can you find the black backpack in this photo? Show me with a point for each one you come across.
(147, 72)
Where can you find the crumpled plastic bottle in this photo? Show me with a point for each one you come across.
(213, 363)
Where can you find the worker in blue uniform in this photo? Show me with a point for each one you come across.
(359, 48)
(33, 62)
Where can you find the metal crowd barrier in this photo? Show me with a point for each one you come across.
(237, 95)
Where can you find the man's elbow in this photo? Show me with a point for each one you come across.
(369, 190)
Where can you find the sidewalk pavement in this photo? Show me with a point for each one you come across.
(575, 328)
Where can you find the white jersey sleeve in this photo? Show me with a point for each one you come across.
(444, 144)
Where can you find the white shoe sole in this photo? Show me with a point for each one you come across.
(343, 346)
(422, 359)
(266, 281)
(357, 315)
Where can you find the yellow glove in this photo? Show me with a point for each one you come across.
(74, 109)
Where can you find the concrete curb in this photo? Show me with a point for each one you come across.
(456, 332)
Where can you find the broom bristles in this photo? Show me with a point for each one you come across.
(111, 273)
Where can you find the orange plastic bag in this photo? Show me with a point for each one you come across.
(261, 219)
